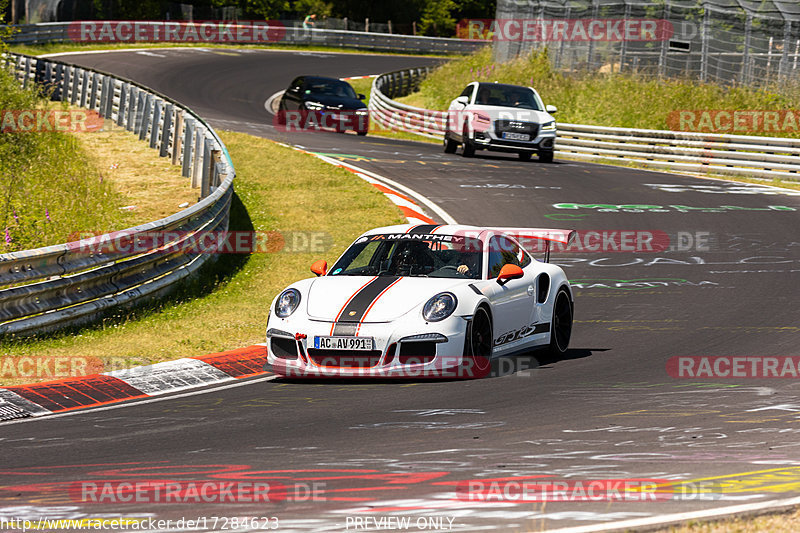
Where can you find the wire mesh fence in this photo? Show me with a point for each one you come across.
(725, 41)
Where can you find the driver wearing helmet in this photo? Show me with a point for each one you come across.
(411, 258)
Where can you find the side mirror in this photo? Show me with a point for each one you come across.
(361, 96)
(463, 100)
(320, 268)
(551, 109)
(509, 272)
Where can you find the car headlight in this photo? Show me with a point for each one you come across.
(439, 307)
(314, 106)
(549, 126)
(361, 111)
(287, 302)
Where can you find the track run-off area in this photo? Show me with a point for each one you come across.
(669, 267)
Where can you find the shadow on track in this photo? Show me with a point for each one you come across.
(501, 366)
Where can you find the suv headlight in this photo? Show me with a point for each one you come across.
(439, 307)
(549, 126)
(287, 303)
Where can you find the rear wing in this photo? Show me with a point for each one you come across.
(544, 235)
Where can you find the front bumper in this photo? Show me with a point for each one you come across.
(489, 140)
(399, 352)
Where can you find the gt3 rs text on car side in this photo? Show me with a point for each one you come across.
(421, 301)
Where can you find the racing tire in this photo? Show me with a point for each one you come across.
(468, 149)
(524, 156)
(561, 324)
(280, 117)
(449, 144)
(361, 133)
(480, 341)
(546, 157)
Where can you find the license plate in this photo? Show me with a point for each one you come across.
(344, 343)
(511, 136)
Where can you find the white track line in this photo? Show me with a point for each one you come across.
(444, 215)
(268, 103)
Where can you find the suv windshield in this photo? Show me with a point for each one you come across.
(506, 96)
(403, 254)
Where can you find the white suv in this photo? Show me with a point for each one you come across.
(502, 118)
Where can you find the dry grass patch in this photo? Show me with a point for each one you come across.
(152, 185)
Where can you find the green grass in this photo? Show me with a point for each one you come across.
(49, 189)
(622, 100)
(277, 189)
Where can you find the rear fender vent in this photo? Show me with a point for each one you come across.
(542, 288)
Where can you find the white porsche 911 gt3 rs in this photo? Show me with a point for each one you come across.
(417, 301)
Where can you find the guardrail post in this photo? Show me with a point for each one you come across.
(141, 101)
(132, 101)
(147, 116)
(93, 97)
(166, 129)
(176, 136)
(123, 96)
(76, 80)
(205, 184)
(84, 88)
(40, 72)
(157, 108)
(106, 96)
(28, 72)
(197, 170)
(215, 164)
(186, 168)
(56, 81)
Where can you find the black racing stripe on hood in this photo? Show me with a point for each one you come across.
(347, 324)
(424, 228)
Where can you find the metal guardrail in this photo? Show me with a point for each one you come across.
(52, 32)
(70, 284)
(736, 155)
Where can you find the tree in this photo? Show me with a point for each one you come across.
(437, 18)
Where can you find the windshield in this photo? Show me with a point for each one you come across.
(337, 88)
(403, 254)
(507, 96)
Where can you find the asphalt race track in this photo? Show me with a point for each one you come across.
(719, 275)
